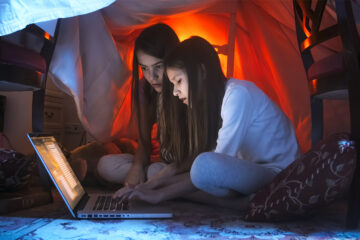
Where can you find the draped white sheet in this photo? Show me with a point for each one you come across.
(93, 52)
(16, 14)
(89, 64)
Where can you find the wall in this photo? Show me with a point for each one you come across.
(18, 121)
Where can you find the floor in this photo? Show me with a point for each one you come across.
(191, 221)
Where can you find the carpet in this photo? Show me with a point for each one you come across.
(191, 221)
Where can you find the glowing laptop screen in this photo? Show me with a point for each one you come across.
(60, 169)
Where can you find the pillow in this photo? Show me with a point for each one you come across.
(317, 178)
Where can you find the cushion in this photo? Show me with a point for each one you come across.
(15, 170)
(327, 66)
(22, 57)
(317, 178)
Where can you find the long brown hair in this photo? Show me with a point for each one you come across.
(157, 41)
(173, 129)
(199, 60)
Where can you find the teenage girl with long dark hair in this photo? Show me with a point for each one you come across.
(151, 46)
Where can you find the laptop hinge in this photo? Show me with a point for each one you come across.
(81, 205)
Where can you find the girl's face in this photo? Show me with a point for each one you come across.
(178, 77)
(152, 69)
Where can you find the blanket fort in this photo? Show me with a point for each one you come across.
(92, 59)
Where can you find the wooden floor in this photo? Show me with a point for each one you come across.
(191, 221)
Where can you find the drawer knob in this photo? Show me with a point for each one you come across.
(49, 115)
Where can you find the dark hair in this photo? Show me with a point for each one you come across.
(157, 41)
(199, 60)
(173, 129)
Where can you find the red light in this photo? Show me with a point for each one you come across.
(314, 85)
(47, 36)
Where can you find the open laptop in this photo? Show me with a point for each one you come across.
(79, 203)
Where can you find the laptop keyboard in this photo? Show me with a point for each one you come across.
(109, 203)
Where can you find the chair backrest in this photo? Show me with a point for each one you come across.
(311, 33)
(308, 21)
(24, 62)
(227, 7)
(25, 58)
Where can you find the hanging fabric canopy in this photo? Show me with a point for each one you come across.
(92, 59)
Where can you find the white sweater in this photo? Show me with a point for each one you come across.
(254, 128)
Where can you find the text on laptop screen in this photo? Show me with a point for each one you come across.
(60, 169)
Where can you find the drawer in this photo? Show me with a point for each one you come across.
(58, 133)
(53, 113)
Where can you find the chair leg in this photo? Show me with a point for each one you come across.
(353, 211)
(316, 120)
(38, 110)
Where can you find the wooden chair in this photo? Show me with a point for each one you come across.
(25, 58)
(228, 7)
(24, 61)
(334, 77)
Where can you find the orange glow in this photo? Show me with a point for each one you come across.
(123, 121)
(213, 28)
(47, 36)
(238, 64)
(262, 55)
(305, 44)
(314, 85)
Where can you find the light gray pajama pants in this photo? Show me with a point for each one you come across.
(114, 167)
(219, 174)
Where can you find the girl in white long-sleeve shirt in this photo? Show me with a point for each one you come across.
(251, 139)
(255, 142)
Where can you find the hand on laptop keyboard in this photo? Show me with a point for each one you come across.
(124, 192)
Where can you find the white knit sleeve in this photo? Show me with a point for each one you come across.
(237, 113)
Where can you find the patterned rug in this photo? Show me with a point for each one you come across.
(191, 221)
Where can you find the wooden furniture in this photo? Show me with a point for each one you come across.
(228, 7)
(24, 61)
(54, 112)
(334, 77)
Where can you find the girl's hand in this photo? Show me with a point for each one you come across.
(162, 189)
(148, 191)
(155, 182)
(135, 176)
(143, 193)
(124, 192)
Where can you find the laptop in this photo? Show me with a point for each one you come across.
(81, 204)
